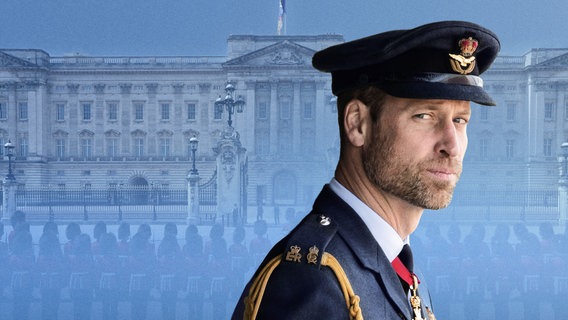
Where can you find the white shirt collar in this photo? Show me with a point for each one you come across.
(385, 235)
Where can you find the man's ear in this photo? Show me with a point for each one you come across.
(355, 122)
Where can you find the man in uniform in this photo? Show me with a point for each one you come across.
(403, 108)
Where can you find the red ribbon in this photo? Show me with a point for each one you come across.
(403, 272)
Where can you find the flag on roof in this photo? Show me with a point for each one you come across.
(281, 16)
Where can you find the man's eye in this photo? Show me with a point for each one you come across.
(423, 116)
(460, 120)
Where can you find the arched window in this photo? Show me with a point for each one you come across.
(139, 191)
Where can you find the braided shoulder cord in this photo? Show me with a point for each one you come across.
(258, 287)
(351, 299)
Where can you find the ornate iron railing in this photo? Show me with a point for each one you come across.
(114, 202)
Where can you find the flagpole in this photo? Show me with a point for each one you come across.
(279, 22)
(285, 24)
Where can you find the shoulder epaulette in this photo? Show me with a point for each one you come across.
(314, 233)
(310, 238)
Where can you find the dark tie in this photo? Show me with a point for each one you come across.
(405, 257)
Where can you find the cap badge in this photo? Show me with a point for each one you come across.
(464, 63)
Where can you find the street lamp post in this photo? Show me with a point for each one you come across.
(193, 186)
(9, 186)
(193, 142)
(85, 213)
(9, 148)
(51, 216)
(231, 159)
(154, 197)
(230, 104)
(119, 200)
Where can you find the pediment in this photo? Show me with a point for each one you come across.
(112, 133)
(60, 133)
(9, 61)
(86, 133)
(556, 62)
(165, 133)
(284, 53)
(138, 133)
(191, 133)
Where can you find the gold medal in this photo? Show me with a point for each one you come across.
(415, 302)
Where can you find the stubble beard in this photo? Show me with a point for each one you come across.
(405, 178)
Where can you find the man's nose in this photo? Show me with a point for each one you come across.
(450, 143)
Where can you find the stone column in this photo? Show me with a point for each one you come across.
(9, 187)
(274, 116)
(193, 216)
(125, 119)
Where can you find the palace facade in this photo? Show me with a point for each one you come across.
(102, 122)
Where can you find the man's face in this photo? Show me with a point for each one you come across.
(416, 148)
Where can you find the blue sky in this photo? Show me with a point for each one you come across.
(201, 27)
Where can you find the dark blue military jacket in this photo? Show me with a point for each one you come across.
(298, 289)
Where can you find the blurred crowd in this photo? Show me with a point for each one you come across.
(469, 266)
(127, 269)
(516, 271)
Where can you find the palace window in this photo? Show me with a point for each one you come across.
(547, 147)
(23, 151)
(218, 112)
(191, 111)
(60, 148)
(484, 148)
(112, 147)
(165, 111)
(23, 111)
(165, 147)
(549, 111)
(511, 111)
(138, 111)
(138, 147)
(262, 142)
(262, 110)
(60, 112)
(3, 110)
(86, 147)
(112, 111)
(86, 111)
(308, 110)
